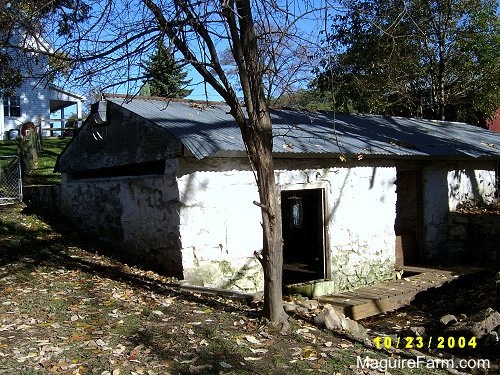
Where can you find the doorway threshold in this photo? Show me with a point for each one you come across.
(312, 289)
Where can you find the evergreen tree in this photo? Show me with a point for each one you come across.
(165, 76)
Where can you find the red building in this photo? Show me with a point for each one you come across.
(494, 123)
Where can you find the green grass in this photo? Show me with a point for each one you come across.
(8, 148)
(43, 173)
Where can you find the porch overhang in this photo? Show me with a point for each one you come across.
(60, 99)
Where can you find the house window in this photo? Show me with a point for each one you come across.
(12, 106)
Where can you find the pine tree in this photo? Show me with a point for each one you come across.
(165, 76)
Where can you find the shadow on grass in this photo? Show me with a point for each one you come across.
(30, 238)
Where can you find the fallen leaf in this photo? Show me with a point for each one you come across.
(258, 350)
(225, 365)
(196, 369)
(192, 360)
(252, 339)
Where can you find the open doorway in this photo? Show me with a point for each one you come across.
(303, 235)
(408, 224)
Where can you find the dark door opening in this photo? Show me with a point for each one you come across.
(303, 235)
(408, 224)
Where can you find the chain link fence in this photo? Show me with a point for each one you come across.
(11, 187)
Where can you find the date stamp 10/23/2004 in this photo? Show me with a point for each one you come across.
(419, 342)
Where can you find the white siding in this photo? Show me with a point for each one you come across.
(34, 93)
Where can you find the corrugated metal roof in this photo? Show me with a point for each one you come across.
(208, 129)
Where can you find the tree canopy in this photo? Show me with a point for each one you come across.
(23, 33)
(419, 58)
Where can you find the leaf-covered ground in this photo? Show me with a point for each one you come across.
(66, 310)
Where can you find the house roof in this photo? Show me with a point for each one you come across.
(208, 128)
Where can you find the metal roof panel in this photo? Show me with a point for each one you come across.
(206, 129)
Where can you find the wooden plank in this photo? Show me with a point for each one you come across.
(406, 286)
(392, 291)
(367, 294)
(417, 269)
(334, 302)
(380, 306)
(353, 299)
(390, 295)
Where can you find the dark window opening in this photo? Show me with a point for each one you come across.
(303, 235)
(12, 106)
(156, 167)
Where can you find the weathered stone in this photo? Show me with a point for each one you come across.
(310, 304)
(492, 339)
(357, 330)
(331, 319)
(478, 325)
(290, 307)
(301, 310)
(417, 331)
(448, 320)
(257, 297)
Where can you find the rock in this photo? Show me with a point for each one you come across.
(301, 310)
(448, 320)
(492, 339)
(257, 297)
(310, 304)
(290, 307)
(417, 331)
(357, 330)
(478, 325)
(462, 317)
(331, 319)
(413, 332)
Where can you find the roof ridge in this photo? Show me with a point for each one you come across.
(129, 97)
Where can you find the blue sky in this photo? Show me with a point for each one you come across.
(201, 91)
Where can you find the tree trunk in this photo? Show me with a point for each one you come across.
(272, 243)
(442, 89)
(253, 120)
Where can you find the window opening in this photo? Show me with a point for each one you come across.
(12, 106)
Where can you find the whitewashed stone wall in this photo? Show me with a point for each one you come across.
(446, 186)
(220, 226)
(137, 215)
(198, 221)
(361, 209)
